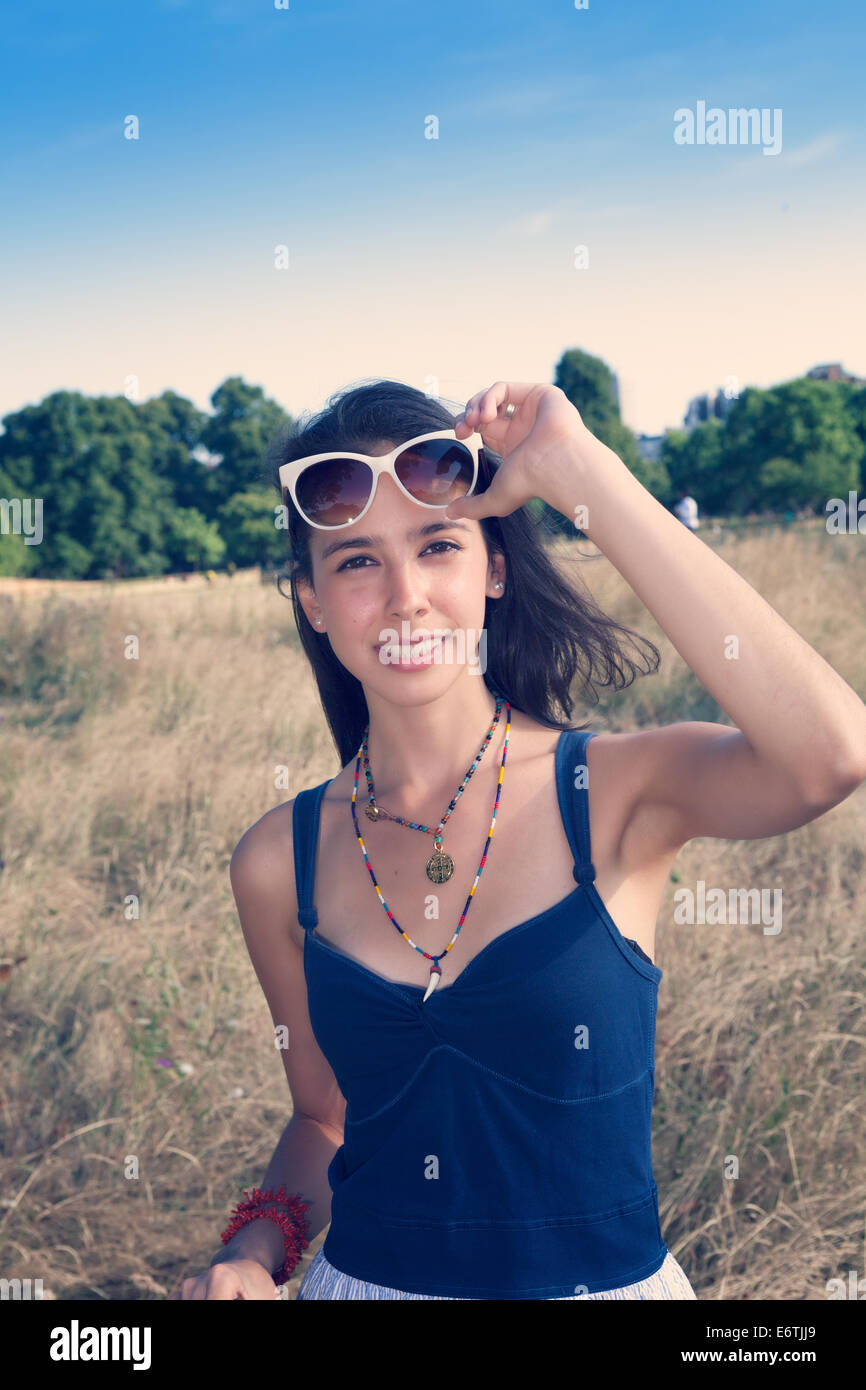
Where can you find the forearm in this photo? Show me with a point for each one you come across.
(790, 704)
(300, 1164)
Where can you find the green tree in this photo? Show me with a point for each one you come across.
(854, 401)
(789, 485)
(242, 426)
(247, 523)
(17, 558)
(175, 428)
(590, 386)
(91, 464)
(694, 462)
(805, 422)
(193, 542)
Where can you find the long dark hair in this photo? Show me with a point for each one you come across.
(543, 630)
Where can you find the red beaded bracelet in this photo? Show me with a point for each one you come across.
(291, 1223)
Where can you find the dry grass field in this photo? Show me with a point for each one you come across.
(145, 1045)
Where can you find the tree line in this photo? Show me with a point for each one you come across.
(135, 489)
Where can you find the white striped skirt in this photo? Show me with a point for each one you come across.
(322, 1280)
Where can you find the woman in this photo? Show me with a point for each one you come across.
(469, 1046)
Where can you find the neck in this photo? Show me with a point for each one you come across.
(420, 754)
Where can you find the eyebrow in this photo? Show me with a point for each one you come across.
(368, 542)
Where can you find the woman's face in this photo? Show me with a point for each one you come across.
(379, 585)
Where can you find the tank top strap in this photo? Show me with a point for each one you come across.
(306, 813)
(572, 779)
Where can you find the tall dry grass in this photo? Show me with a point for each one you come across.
(124, 777)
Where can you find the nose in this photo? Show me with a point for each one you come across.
(407, 595)
(405, 580)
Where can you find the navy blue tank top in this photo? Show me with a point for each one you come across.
(497, 1137)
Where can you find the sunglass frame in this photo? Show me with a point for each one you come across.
(289, 473)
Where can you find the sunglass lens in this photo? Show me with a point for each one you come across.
(335, 491)
(436, 471)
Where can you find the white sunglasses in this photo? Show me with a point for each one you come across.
(336, 489)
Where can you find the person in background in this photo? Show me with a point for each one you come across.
(687, 510)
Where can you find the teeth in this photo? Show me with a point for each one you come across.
(421, 647)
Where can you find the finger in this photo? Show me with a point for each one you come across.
(496, 501)
(462, 428)
(504, 392)
(477, 411)
(457, 510)
(474, 404)
(491, 400)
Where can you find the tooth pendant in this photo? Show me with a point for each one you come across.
(435, 977)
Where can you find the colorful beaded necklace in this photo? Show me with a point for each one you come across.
(435, 968)
(440, 866)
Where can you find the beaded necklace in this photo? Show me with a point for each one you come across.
(440, 866)
(435, 969)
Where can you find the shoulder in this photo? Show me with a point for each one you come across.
(264, 840)
(261, 869)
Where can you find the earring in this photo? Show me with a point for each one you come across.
(497, 585)
(318, 620)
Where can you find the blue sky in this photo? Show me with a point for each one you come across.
(446, 262)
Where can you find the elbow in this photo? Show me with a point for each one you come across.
(331, 1128)
(845, 779)
(851, 769)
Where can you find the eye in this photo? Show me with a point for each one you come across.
(350, 564)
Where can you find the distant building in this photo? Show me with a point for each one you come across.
(649, 446)
(703, 408)
(707, 407)
(834, 371)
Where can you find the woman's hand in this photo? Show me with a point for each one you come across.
(531, 442)
(230, 1279)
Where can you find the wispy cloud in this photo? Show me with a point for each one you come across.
(755, 165)
(821, 148)
(534, 224)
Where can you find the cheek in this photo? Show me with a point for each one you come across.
(463, 589)
(352, 605)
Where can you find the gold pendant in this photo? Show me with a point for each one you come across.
(372, 812)
(440, 866)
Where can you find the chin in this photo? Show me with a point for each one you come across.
(407, 688)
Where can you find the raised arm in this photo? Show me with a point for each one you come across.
(799, 742)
